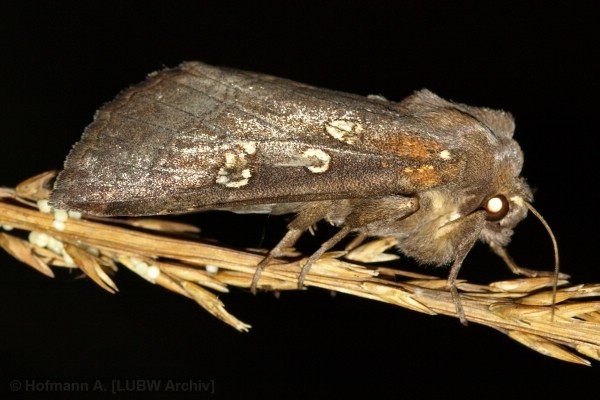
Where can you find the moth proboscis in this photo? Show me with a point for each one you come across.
(435, 175)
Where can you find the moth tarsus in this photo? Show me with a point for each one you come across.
(435, 175)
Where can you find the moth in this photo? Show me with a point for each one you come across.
(436, 175)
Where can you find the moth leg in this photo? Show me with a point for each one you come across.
(310, 213)
(357, 241)
(371, 211)
(510, 263)
(469, 230)
(290, 238)
(342, 233)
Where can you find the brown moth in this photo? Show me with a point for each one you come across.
(436, 175)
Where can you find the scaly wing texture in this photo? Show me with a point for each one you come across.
(198, 137)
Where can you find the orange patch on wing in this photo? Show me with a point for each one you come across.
(412, 147)
(423, 176)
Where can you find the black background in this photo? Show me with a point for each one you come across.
(61, 61)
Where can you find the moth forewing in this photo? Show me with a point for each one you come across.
(198, 137)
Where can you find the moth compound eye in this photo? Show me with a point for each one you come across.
(496, 207)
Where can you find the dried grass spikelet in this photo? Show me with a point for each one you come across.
(520, 308)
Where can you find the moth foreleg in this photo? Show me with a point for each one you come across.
(516, 269)
(468, 231)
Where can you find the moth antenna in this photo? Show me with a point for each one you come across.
(555, 245)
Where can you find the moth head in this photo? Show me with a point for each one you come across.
(502, 212)
(505, 202)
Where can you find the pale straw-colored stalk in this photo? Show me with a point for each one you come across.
(520, 308)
